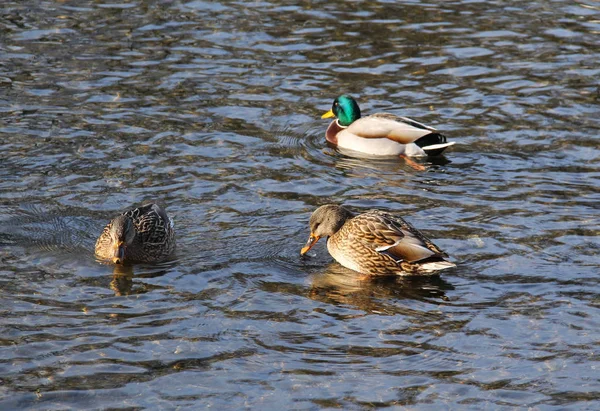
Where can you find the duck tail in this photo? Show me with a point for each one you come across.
(436, 266)
(433, 144)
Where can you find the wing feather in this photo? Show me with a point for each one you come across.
(392, 236)
(383, 125)
(150, 223)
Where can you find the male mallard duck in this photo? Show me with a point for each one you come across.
(375, 242)
(380, 134)
(144, 234)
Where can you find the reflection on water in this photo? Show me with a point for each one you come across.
(339, 285)
(125, 281)
(213, 109)
(122, 280)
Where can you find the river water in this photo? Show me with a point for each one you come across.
(213, 110)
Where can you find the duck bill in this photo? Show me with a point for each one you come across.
(119, 254)
(312, 240)
(329, 114)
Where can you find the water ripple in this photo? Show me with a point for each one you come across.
(213, 109)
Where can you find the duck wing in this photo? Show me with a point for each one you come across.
(383, 125)
(151, 223)
(394, 237)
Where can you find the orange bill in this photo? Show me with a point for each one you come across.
(312, 240)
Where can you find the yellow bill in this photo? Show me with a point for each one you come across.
(329, 114)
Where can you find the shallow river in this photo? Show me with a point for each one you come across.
(213, 110)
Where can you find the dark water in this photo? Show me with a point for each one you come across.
(213, 110)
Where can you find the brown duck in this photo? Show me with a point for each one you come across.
(144, 235)
(375, 242)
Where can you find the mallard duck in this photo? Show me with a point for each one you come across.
(144, 234)
(375, 242)
(380, 134)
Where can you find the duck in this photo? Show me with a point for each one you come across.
(143, 235)
(380, 134)
(375, 243)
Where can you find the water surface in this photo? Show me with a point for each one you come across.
(212, 109)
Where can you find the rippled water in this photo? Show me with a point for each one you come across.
(212, 109)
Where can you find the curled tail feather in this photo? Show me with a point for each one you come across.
(433, 143)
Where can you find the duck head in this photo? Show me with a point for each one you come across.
(122, 233)
(345, 108)
(324, 222)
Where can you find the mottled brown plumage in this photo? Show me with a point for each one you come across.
(375, 242)
(144, 234)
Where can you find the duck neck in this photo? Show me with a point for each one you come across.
(337, 122)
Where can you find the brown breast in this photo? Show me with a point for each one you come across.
(331, 133)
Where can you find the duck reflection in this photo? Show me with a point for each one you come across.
(340, 285)
(122, 281)
(123, 275)
(363, 164)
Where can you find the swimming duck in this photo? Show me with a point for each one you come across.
(380, 134)
(144, 234)
(375, 242)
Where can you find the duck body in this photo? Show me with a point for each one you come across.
(145, 235)
(375, 243)
(380, 134)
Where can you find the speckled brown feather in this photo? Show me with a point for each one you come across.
(104, 244)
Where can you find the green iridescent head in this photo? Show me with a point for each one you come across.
(345, 109)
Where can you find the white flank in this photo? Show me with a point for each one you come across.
(373, 146)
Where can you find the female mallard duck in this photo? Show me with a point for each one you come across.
(375, 242)
(144, 234)
(380, 134)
